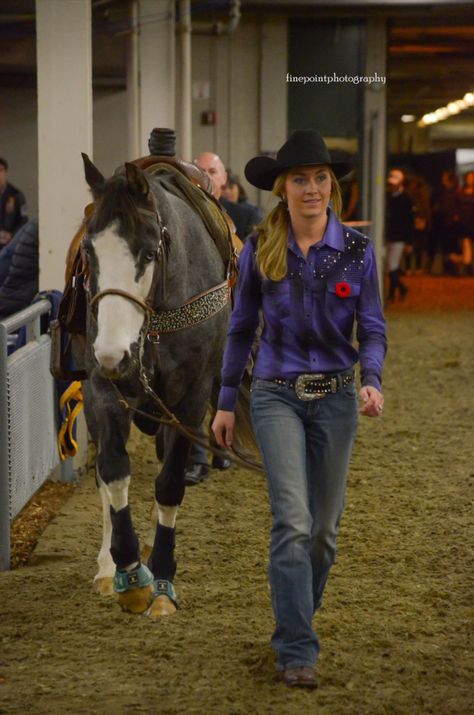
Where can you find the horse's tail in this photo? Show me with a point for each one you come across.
(244, 436)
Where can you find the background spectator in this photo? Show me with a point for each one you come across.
(243, 216)
(399, 230)
(12, 206)
(419, 192)
(235, 192)
(19, 270)
(466, 217)
(443, 209)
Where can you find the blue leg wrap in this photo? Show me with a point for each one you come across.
(166, 588)
(137, 578)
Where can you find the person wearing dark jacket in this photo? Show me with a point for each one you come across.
(12, 207)
(400, 229)
(19, 270)
(234, 193)
(244, 216)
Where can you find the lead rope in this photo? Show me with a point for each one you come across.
(190, 433)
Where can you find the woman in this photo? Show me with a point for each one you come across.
(311, 276)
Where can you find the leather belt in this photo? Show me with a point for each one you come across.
(314, 386)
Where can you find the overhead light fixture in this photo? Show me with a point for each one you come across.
(452, 108)
(408, 118)
(442, 113)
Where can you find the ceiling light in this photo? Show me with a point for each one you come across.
(408, 118)
(442, 113)
(454, 107)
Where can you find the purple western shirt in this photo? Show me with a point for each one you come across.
(308, 320)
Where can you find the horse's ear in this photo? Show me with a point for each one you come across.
(93, 176)
(136, 179)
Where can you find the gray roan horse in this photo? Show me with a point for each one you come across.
(132, 259)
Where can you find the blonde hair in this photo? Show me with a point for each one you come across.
(272, 241)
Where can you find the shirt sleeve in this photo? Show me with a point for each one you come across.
(242, 328)
(371, 334)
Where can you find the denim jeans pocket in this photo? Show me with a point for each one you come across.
(258, 383)
(350, 392)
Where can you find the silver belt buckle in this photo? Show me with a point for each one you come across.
(300, 383)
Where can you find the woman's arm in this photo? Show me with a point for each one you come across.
(242, 327)
(371, 334)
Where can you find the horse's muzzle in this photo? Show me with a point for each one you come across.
(114, 366)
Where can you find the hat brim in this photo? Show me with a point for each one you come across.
(261, 171)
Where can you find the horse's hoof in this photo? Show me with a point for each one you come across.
(161, 606)
(146, 553)
(136, 600)
(104, 586)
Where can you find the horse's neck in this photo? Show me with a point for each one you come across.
(193, 262)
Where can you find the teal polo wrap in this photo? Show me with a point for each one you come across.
(137, 578)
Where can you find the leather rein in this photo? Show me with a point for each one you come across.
(165, 322)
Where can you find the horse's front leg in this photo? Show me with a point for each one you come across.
(169, 492)
(132, 581)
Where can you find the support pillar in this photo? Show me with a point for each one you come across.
(156, 58)
(64, 56)
(133, 84)
(274, 88)
(375, 138)
(64, 61)
(184, 96)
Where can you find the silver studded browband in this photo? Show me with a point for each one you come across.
(194, 311)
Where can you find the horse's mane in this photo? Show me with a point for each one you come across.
(116, 201)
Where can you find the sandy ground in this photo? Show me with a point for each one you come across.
(396, 622)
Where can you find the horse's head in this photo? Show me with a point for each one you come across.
(124, 245)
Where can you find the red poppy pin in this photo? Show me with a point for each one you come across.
(343, 289)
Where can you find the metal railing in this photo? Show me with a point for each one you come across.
(28, 426)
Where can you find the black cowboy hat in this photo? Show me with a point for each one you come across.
(305, 147)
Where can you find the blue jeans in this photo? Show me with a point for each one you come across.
(306, 448)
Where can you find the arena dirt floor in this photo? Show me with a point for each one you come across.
(396, 624)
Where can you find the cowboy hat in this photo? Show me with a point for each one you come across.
(305, 147)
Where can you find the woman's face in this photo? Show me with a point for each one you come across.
(231, 192)
(307, 191)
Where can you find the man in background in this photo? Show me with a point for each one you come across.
(400, 229)
(244, 220)
(244, 216)
(12, 207)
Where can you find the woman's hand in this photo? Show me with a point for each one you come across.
(223, 428)
(373, 401)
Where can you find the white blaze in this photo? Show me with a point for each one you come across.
(118, 319)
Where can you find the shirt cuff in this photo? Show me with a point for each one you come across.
(371, 379)
(227, 398)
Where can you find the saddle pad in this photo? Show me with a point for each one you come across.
(205, 206)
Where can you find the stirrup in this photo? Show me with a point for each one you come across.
(137, 578)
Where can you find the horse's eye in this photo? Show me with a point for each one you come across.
(150, 256)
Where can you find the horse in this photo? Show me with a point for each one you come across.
(147, 252)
